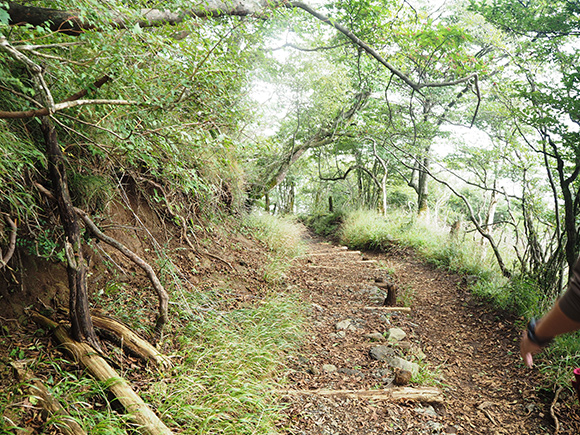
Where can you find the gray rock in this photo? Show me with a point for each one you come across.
(428, 410)
(376, 295)
(384, 319)
(351, 372)
(375, 336)
(382, 353)
(329, 368)
(395, 361)
(417, 352)
(345, 324)
(396, 334)
(434, 426)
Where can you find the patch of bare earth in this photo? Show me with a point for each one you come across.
(463, 347)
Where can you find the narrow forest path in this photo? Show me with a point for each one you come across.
(461, 345)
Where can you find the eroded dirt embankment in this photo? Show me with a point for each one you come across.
(462, 347)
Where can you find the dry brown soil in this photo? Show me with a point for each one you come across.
(464, 347)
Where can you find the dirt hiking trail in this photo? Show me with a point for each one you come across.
(461, 346)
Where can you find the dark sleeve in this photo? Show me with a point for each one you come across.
(570, 302)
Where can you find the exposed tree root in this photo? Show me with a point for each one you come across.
(553, 413)
(215, 257)
(11, 245)
(161, 292)
(66, 424)
(196, 250)
(131, 341)
(137, 410)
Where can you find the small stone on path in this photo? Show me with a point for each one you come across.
(345, 324)
(396, 334)
(396, 362)
(375, 336)
(329, 368)
(380, 353)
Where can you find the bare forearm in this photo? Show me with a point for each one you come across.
(554, 323)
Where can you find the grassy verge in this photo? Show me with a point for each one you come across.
(228, 364)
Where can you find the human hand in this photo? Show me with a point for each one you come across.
(527, 349)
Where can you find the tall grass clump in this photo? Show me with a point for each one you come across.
(283, 238)
(85, 399)
(325, 224)
(231, 363)
(518, 295)
(558, 361)
(365, 229)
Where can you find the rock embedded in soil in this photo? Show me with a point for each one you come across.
(375, 336)
(381, 353)
(396, 334)
(329, 368)
(352, 372)
(345, 324)
(428, 410)
(400, 363)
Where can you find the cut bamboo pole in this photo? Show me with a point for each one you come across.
(66, 424)
(420, 394)
(139, 413)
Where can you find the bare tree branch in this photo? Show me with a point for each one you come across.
(35, 113)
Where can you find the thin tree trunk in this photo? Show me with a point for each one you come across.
(80, 317)
(422, 193)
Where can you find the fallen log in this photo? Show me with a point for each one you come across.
(129, 339)
(403, 309)
(65, 423)
(399, 394)
(137, 410)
